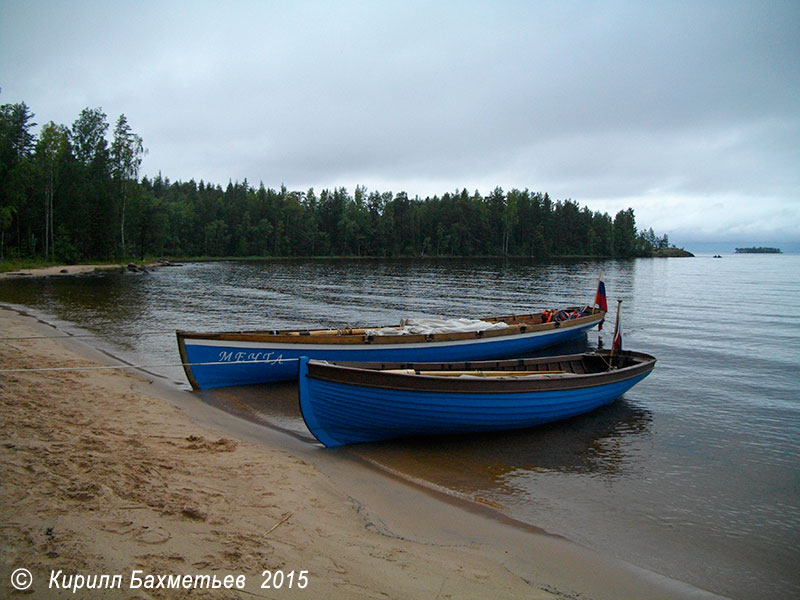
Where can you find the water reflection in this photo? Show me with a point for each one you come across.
(593, 444)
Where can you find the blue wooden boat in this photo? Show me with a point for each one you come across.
(249, 357)
(347, 403)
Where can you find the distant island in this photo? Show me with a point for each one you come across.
(759, 250)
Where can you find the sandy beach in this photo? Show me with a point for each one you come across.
(60, 270)
(106, 471)
(72, 270)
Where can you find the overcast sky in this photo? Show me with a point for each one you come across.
(689, 112)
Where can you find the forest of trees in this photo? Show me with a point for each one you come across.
(70, 195)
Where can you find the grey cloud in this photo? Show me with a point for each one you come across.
(680, 103)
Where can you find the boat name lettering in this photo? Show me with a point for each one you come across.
(268, 357)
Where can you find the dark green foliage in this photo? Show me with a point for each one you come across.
(625, 234)
(16, 171)
(75, 198)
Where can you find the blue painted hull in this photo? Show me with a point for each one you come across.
(213, 363)
(340, 413)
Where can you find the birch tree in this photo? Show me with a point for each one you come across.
(127, 152)
(49, 151)
(88, 134)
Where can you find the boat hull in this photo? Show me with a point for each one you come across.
(346, 412)
(212, 363)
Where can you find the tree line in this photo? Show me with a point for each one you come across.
(70, 195)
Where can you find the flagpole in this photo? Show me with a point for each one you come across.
(616, 332)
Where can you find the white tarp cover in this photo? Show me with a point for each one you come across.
(429, 326)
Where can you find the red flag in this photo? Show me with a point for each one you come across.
(600, 298)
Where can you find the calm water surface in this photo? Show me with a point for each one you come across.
(695, 473)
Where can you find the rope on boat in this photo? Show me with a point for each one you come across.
(81, 335)
(101, 367)
(171, 332)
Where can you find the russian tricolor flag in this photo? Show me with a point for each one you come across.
(600, 298)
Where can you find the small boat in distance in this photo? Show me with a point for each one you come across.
(249, 357)
(348, 403)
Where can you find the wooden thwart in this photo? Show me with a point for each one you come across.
(474, 373)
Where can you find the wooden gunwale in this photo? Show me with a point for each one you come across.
(374, 375)
(517, 324)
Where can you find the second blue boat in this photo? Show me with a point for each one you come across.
(351, 403)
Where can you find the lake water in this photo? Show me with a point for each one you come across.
(694, 473)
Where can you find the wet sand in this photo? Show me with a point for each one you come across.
(73, 270)
(107, 471)
(60, 270)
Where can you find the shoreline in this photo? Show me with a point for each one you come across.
(90, 268)
(107, 471)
